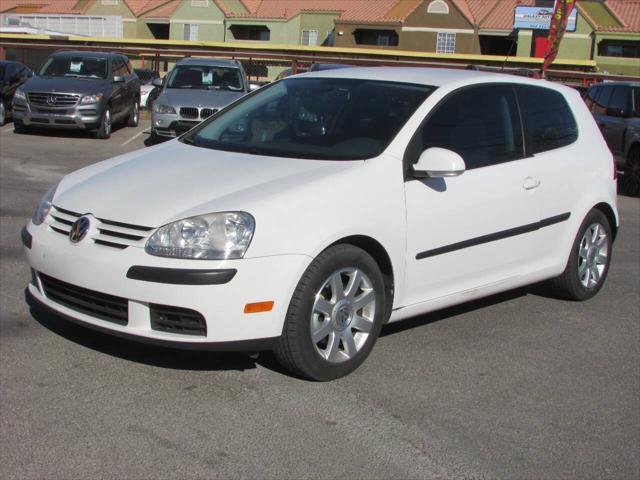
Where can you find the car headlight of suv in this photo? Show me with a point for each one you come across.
(216, 236)
(88, 99)
(161, 108)
(20, 95)
(44, 206)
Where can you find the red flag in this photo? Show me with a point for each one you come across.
(556, 31)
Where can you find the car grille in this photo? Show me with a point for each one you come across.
(195, 113)
(177, 320)
(95, 304)
(53, 99)
(107, 233)
(189, 112)
(207, 112)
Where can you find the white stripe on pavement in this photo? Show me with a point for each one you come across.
(132, 139)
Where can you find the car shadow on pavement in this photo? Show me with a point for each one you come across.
(66, 133)
(139, 352)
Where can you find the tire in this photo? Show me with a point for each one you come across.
(19, 127)
(134, 116)
(106, 124)
(588, 266)
(3, 114)
(631, 177)
(346, 321)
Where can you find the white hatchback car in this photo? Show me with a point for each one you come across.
(311, 212)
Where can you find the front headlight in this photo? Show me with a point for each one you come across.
(42, 210)
(160, 108)
(19, 95)
(87, 99)
(216, 236)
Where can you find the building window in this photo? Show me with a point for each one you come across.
(250, 32)
(190, 31)
(446, 42)
(366, 36)
(619, 48)
(109, 2)
(309, 37)
(199, 3)
(438, 7)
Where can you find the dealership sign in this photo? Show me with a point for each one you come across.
(538, 18)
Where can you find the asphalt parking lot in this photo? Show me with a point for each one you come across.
(517, 386)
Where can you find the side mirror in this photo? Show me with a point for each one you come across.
(438, 162)
(118, 79)
(615, 112)
(157, 82)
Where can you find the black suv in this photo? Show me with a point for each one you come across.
(86, 90)
(12, 75)
(616, 108)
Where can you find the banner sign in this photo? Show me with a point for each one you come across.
(538, 18)
(561, 14)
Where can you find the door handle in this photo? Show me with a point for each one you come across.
(530, 183)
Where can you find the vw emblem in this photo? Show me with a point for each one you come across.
(51, 100)
(79, 230)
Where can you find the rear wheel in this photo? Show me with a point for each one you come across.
(104, 129)
(631, 177)
(134, 116)
(335, 315)
(589, 260)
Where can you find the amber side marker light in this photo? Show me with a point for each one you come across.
(258, 307)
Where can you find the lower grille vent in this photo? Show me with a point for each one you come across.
(177, 320)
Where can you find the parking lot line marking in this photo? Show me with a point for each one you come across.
(132, 139)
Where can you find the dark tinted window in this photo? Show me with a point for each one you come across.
(636, 101)
(75, 67)
(119, 68)
(602, 100)
(591, 96)
(481, 124)
(548, 121)
(620, 98)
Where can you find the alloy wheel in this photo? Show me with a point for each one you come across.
(593, 255)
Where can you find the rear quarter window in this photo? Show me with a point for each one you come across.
(547, 118)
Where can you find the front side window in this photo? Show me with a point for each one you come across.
(204, 77)
(75, 67)
(480, 124)
(317, 118)
(548, 121)
(446, 42)
(620, 99)
(602, 100)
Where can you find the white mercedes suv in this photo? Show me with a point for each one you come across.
(308, 214)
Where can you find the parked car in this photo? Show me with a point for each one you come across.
(79, 90)
(12, 75)
(287, 72)
(146, 78)
(616, 108)
(195, 89)
(308, 214)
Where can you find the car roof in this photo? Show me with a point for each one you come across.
(613, 84)
(212, 62)
(436, 77)
(78, 53)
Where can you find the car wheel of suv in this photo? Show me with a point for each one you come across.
(104, 130)
(589, 260)
(134, 116)
(3, 114)
(335, 315)
(631, 177)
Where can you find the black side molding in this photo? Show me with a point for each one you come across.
(492, 237)
(26, 237)
(181, 276)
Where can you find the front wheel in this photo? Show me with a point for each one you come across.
(134, 116)
(335, 315)
(589, 260)
(104, 129)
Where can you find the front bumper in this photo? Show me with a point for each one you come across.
(104, 270)
(83, 117)
(170, 125)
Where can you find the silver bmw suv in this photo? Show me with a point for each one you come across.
(194, 90)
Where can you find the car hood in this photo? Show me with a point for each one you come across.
(198, 98)
(84, 86)
(154, 186)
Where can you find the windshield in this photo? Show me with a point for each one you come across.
(88, 67)
(205, 78)
(145, 76)
(320, 118)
